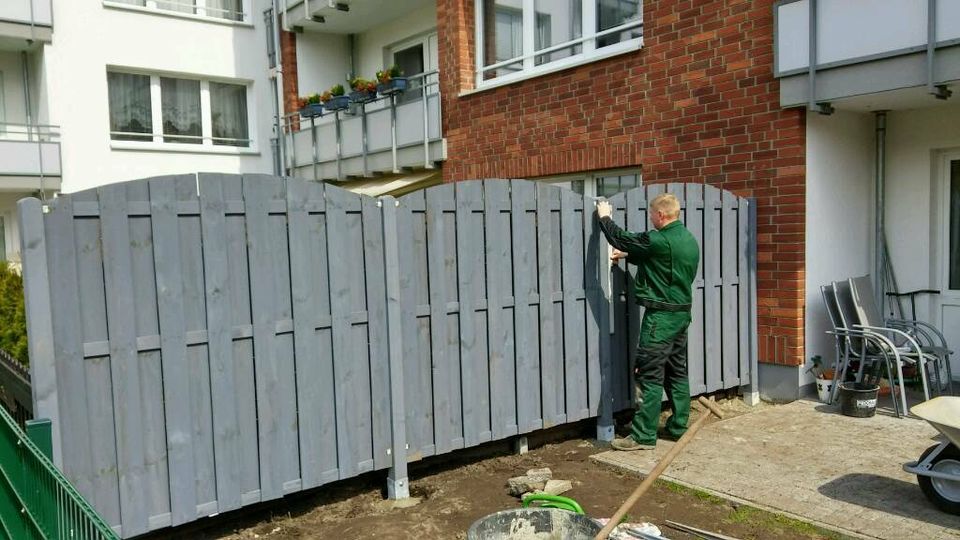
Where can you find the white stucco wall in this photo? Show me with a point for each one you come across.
(323, 60)
(839, 214)
(89, 37)
(14, 105)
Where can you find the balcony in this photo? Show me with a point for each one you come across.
(29, 157)
(391, 135)
(345, 16)
(24, 24)
(827, 50)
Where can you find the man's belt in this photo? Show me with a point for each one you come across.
(663, 306)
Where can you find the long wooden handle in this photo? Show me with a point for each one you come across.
(661, 466)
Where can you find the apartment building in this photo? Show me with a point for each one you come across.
(599, 94)
(98, 91)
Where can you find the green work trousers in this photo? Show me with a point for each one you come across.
(661, 365)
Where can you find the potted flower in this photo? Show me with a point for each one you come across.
(364, 91)
(391, 81)
(824, 378)
(334, 99)
(310, 106)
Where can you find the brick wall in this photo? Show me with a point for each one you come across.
(288, 59)
(697, 103)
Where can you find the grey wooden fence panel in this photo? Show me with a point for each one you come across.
(711, 271)
(234, 360)
(124, 365)
(274, 371)
(377, 353)
(526, 320)
(241, 317)
(499, 264)
(729, 330)
(696, 359)
(471, 285)
(574, 307)
(551, 358)
(101, 414)
(637, 221)
(67, 341)
(418, 364)
(177, 371)
(224, 393)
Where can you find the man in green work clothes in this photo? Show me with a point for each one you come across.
(667, 259)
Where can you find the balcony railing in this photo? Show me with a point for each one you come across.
(386, 135)
(30, 150)
(831, 49)
(34, 15)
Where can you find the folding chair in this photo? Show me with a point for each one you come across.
(866, 347)
(923, 341)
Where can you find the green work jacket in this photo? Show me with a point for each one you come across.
(667, 262)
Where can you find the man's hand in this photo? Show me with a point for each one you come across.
(617, 255)
(604, 209)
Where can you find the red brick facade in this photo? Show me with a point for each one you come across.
(288, 59)
(697, 103)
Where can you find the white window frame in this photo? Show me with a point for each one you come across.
(206, 121)
(588, 43)
(154, 7)
(589, 179)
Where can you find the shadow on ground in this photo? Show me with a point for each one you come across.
(888, 495)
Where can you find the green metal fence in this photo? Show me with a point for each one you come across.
(36, 501)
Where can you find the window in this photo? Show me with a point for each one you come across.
(518, 38)
(602, 184)
(231, 10)
(169, 110)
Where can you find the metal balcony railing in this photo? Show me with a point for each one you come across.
(31, 150)
(359, 133)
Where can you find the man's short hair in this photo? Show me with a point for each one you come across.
(666, 203)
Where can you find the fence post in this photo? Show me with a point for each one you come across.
(605, 425)
(36, 292)
(751, 394)
(41, 433)
(397, 485)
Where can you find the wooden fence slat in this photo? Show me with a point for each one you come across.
(125, 373)
(695, 345)
(256, 193)
(503, 393)
(743, 291)
(593, 246)
(378, 355)
(397, 482)
(622, 296)
(728, 293)
(176, 370)
(64, 336)
(551, 359)
(522, 200)
(224, 392)
(711, 271)
(474, 374)
(636, 214)
(574, 316)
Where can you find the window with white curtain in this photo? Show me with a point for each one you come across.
(522, 38)
(178, 110)
(231, 10)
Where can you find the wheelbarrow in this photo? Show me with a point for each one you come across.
(938, 469)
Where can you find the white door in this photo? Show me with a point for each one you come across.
(416, 57)
(949, 297)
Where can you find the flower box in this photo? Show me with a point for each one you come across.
(311, 110)
(363, 96)
(395, 85)
(337, 103)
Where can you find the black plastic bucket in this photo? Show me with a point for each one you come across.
(858, 399)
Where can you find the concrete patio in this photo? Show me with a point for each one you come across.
(806, 460)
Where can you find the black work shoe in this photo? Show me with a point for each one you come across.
(627, 444)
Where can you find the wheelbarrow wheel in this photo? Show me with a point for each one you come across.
(944, 494)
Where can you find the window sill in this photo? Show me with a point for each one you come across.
(176, 148)
(175, 14)
(560, 65)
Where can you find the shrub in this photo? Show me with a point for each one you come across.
(13, 321)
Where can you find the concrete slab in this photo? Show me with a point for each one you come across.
(806, 460)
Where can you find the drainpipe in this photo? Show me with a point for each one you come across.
(880, 247)
(29, 109)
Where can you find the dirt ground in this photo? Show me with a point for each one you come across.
(455, 493)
